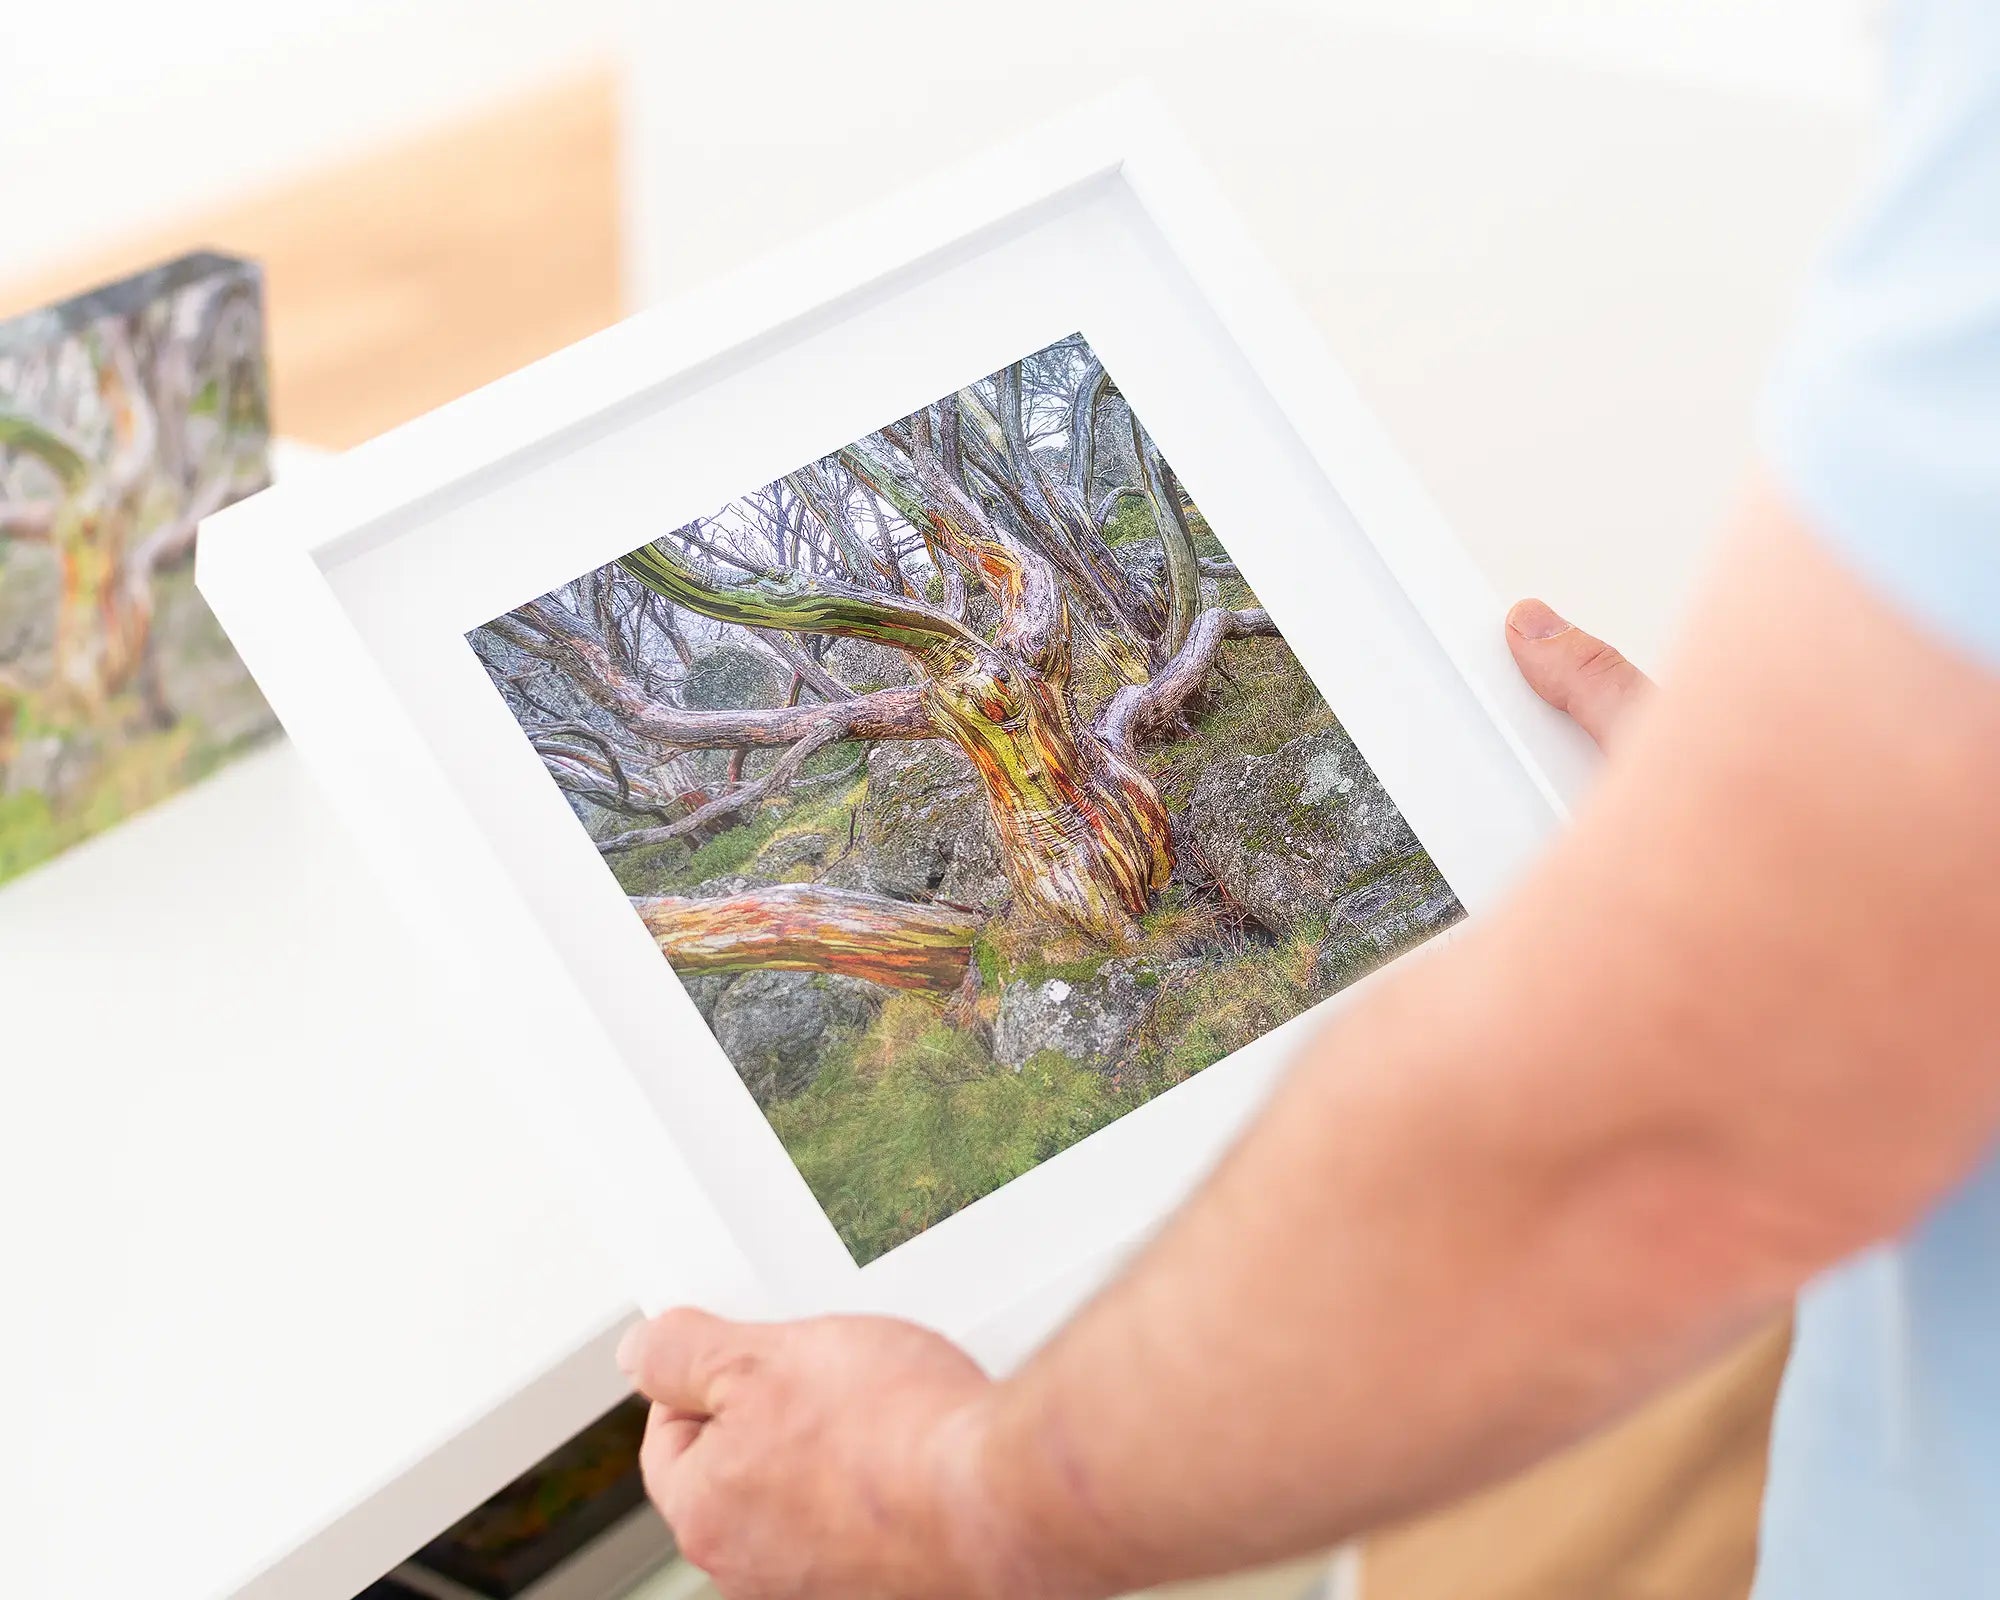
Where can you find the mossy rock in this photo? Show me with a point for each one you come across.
(733, 677)
(1289, 834)
(652, 869)
(864, 665)
(1380, 917)
(778, 1028)
(924, 831)
(1091, 1022)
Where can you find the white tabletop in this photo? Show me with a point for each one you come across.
(299, 1286)
(286, 1246)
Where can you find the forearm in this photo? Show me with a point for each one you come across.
(1524, 1181)
(1407, 1280)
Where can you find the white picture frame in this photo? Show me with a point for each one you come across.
(349, 595)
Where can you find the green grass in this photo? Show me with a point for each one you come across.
(667, 868)
(730, 851)
(1131, 518)
(1208, 1013)
(29, 833)
(1266, 700)
(127, 779)
(913, 1121)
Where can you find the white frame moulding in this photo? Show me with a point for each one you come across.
(349, 592)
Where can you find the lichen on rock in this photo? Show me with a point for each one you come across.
(1091, 1021)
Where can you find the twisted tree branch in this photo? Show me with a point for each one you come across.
(737, 800)
(546, 631)
(1145, 711)
(28, 521)
(795, 604)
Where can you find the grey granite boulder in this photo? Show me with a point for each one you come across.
(776, 1027)
(924, 832)
(1090, 1020)
(864, 665)
(1388, 913)
(705, 989)
(733, 677)
(1299, 832)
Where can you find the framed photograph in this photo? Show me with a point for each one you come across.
(908, 739)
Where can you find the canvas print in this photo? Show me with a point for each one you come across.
(506, 1545)
(126, 416)
(967, 787)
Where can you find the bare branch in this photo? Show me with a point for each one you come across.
(175, 537)
(687, 535)
(817, 495)
(28, 521)
(1145, 711)
(550, 634)
(740, 799)
(801, 666)
(1176, 540)
(1108, 501)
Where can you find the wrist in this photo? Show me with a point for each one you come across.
(987, 1536)
(997, 1526)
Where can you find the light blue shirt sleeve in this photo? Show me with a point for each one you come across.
(1882, 420)
(1882, 425)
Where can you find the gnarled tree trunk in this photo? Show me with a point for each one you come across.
(1083, 834)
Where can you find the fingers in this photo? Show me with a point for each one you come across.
(1574, 671)
(668, 1435)
(679, 1359)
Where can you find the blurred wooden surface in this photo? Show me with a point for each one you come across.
(1663, 1507)
(412, 275)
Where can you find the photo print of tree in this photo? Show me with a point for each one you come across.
(967, 788)
(126, 416)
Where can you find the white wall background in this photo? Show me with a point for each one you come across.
(1817, 51)
(1554, 252)
(121, 112)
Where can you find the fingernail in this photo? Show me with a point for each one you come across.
(1533, 620)
(632, 1349)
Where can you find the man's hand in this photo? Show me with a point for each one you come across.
(832, 1458)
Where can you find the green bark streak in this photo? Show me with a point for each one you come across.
(889, 481)
(60, 457)
(794, 604)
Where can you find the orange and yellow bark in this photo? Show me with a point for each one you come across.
(805, 927)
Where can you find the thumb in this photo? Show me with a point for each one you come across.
(1574, 671)
(683, 1357)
